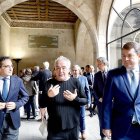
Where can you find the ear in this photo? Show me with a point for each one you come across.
(139, 55)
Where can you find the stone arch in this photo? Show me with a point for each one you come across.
(81, 9)
(102, 26)
(76, 6)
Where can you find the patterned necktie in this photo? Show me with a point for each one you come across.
(134, 83)
(5, 88)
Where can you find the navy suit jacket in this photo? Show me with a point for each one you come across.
(118, 103)
(18, 95)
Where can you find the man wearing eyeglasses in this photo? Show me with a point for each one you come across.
(13, 95)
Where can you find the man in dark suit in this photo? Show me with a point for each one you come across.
(42, 77)
(12, 96)
(98, 86)
(121, 101)
(90, 77)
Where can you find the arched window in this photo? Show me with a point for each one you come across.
(123, 26)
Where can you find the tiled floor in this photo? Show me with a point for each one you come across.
(29, 130)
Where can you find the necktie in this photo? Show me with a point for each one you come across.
(92, 79)
(104, 76)
(5, 88)
(134, 83)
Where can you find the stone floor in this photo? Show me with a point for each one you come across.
(29, 130)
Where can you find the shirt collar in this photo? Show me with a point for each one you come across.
(1, 77)
(136, 69)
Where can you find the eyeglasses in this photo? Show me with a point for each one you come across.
(8, 66)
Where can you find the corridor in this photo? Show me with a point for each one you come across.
(29, 130)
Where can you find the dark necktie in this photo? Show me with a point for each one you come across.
(92, 79)
(5, 88)
(104, 76)
(134, 83)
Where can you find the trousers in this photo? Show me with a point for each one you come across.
(70, 134)
(8, 132)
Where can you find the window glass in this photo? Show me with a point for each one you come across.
(114, 27)
(123, 26)
(114, 54)
(131, 22)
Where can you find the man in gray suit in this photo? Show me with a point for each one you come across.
(13, 95)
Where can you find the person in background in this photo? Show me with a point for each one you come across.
(13, 95)
(90, 77)
(82, 70)
(76, 73)
(98, 87)
(35, 87)
(42, 77)
(121, 100)
(35, 71)
(29, 86)
(86, 70)
(63, 96)
(21, 73)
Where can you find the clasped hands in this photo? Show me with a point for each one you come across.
(8, 105)
(54, 90)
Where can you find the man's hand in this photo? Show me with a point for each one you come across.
(70, 96)
(10, 105)
(107, 133)
(2, 105)
(53, 91)
(100, 100)
(43, 113)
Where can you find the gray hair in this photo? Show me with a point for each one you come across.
(36, 68)
(103, 60)
(77, 66)
(46, 64)
(62, 58)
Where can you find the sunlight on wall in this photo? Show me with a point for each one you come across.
(17, 53)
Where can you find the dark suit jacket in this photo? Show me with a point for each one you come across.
(118, 103)
(99, 84)
(18, 94)
(42, 76)
(89, 79)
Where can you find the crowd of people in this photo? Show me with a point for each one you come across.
(66, 93)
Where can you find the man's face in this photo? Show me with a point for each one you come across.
(62, 71)
(6, 68)
(75, 71)
(130, 58)
(101, 66)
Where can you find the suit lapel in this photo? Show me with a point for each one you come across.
(1, 96)
(126, 81)
(137, 96)
(12, 86)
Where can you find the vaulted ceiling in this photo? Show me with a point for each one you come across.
(39, 11)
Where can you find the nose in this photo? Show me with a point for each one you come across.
(126, 58)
